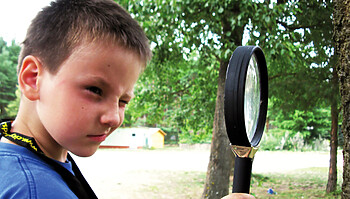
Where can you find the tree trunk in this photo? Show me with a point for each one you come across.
(221, 157)
(342, 40)
(332, 173)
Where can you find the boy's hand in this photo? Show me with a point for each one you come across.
(238, 196)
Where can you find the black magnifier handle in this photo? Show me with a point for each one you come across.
(243, 168)
(245, 110)
(242, 175)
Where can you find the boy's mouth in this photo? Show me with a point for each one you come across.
(98, 138)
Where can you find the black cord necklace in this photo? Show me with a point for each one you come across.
(76, 183)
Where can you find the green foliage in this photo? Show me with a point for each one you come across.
(190, 39)
(12, 107)
(299, 49)
(298, 45)
(180, 97)
(297, 130)
(310, 124)
(8, 77)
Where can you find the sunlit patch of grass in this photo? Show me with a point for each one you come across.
(301, 183)
(176, 184)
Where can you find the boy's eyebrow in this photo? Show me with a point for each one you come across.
(130, 95)
(100, 80)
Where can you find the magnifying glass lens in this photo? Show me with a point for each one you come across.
(252, 98)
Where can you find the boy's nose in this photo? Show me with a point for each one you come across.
(111, 117)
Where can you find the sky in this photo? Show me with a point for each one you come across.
(15, 17)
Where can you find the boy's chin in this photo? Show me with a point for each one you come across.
(86, 153)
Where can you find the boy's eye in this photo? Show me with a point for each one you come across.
(95, 90)
(123, 102)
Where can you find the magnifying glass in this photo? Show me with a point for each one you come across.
(245, 106)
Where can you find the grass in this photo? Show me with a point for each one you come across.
(303, 183)
(175, 184)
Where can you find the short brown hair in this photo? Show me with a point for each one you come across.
(59, 28)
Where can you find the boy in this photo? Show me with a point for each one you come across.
(77, 69)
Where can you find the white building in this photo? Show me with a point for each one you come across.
(138, 137)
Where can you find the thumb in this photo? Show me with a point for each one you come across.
(238, 196)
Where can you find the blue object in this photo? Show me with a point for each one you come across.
(24, 175)
(270, 191)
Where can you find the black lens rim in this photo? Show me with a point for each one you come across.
(234, 95)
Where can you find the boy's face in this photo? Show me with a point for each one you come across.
(84, 101)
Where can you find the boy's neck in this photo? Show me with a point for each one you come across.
(29, 125)
(63, 158)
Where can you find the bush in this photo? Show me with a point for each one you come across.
(172, 135)
(277, 139)
(191, 137)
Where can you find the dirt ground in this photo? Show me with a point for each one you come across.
(136, 174)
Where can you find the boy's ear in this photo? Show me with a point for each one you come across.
(28, 77)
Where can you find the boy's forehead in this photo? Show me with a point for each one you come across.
(94, 47)
(102, 62)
